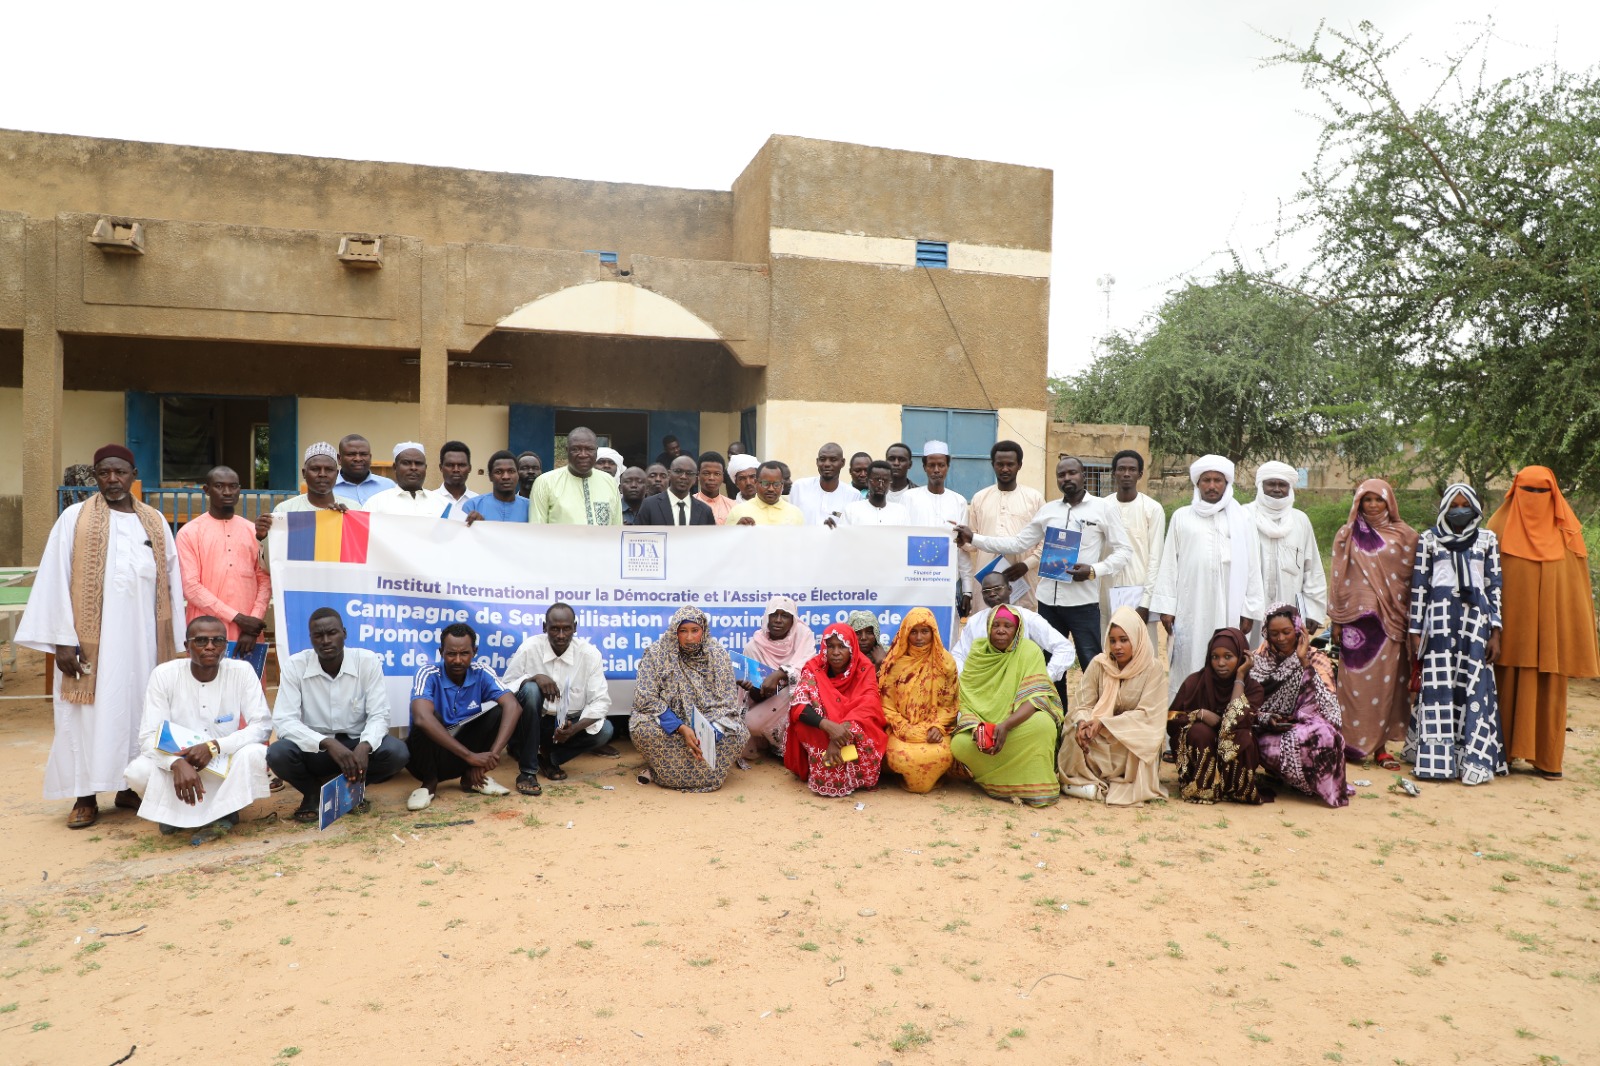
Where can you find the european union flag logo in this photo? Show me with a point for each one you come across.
(927, 551)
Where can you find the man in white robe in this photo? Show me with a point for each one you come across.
(1003, 510)
(1145, 522)
(220, 700)
(1291, 565)
(1210, 576)
(108, 604)
(942, 508)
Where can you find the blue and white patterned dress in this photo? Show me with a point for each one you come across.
(1455, 729)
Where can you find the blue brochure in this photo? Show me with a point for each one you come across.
(1059, 553)
(339, 798)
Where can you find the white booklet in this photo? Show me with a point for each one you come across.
(706, 734)
(175, 739)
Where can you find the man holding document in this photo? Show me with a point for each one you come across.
(1083, 541)
(561, 684)
(332, 717)
(202, 739)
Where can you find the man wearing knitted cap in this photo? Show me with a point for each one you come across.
(1210, 576)
(408, 497)
(320, 471)
(1291, 565)
(108, 604)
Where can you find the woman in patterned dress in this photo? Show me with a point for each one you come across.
(1297, 728)
(1211, 726)
(835, 708)
(683, 672)
(1455, 636)
(918, 684)
(1373, 556)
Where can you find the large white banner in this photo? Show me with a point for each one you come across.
(398, 581)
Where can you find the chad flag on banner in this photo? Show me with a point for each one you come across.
(328, 536)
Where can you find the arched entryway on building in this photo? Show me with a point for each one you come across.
(626, 362)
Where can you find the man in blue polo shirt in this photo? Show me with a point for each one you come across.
(461, 719)
(357, 483)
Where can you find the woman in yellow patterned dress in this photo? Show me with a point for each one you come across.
(918, 684)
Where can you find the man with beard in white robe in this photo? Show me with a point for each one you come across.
(107, 602)
(1291, 565)
(1210, 576)
(219, 700)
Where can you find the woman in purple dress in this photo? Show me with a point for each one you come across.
(1297, 728)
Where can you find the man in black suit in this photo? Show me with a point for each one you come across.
(677, 506)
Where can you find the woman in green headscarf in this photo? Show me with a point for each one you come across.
(1009, 717)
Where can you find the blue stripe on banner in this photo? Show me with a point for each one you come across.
(302, 535)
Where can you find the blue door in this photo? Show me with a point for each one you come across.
(970, 435)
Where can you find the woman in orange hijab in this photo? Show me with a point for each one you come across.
(919, 687)
(1548, 614)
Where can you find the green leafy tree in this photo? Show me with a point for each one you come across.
(1461, 237)
(1237, 366)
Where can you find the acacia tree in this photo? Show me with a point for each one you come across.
(1238, 366)
(1462, 238)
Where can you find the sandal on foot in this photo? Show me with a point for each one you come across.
(607, 751)
(1548, 775)
(83, 815)
(128, 799)
(1386, 761)
(528, 785)
(552, 771)
(304, 815)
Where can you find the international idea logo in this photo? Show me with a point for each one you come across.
(644, 556)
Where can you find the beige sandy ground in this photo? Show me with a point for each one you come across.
(610, 922)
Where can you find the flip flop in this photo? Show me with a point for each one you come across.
(1548, 775)
(83, 815)
(528, 785)
(552, 771)
(1386, 761)
(304, 815)
(606, 751)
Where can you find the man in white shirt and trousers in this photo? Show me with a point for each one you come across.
(559, 679)
(332, 717)
(1291, 565)
(218, 700)
(1146, 523)
(941, 507)
(1072, 606)
(1210, 575)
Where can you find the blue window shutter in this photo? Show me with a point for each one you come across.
(933, 254)
(283, 442)
(532, 427)
(605, 257)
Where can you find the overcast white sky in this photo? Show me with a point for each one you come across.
(1168, 141)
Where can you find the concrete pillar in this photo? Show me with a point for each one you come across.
(433, 363)
(43, 366)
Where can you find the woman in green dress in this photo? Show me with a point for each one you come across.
(1009, 716)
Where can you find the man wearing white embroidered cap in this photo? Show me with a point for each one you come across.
(1291, 565)
(1210, 576)
(408, 497)
(935, 505)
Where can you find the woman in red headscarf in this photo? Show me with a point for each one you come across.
(837, 732)
(1547, 610)
(1369, 600)
(1211, 722)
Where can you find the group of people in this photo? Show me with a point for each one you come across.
(1455, 644)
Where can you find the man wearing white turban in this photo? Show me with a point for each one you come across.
(1210, 575)
(1291, 565)
(742, 472)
